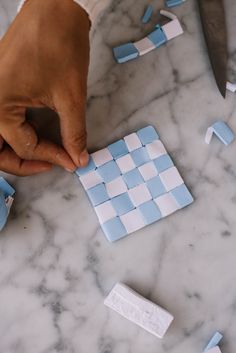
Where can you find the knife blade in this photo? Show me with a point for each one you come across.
(214, 27)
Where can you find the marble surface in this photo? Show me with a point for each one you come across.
(56, 267)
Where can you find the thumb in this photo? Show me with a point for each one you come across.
(72, 113)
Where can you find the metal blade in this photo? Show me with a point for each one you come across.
(214, 26)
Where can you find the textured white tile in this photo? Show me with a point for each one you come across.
(171, 178)
(101, 157)
(116, 187)
(156, 149)
(148, 171)
(133, 221)
(90, 180)
(144, 46)
(139, 195)
(172, 29)
(139, 310)
(125, 163)
(167, 204)
(132, 141)
(105, 211)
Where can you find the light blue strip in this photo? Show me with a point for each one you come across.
(148, 14)
(114, 229)
(182, 196)
(3, 211)
(157, 37)
(223, 132)
(147, 135)
(172, 3)
(214, 341)
(125, 52)
(82, 171)
(6, 188)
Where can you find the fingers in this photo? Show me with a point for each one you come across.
(11, 163)
(73, 126)
(24, 141)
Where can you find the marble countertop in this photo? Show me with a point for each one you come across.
(56, 266)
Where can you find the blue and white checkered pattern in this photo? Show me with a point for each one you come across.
(133, 183)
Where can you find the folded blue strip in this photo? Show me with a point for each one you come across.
(3, 211)
(214, 341)
(163, 163)
(140, 156)
(172, 3)
(6, 188)
(156, 187)
(223, 132)
(109, 171)
(150, 212)
(114, 229)
(122, 204)
(125, 52)
(98, 194)
(182, 196)
(147, 135)
(133, 178)
(148, 14)
(118, 149)
(157, 37)
(82, 171)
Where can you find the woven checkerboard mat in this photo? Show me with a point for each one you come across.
(133, 183)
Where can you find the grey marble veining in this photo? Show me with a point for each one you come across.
(56, 267)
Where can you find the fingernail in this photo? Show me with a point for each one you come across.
(69, 170)
(84, 158)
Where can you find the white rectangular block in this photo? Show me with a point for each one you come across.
(125, 163)
(148, 171)
(132, 141)
(105, 211)
(171, 178)
(144, 46)
(166, 204)
(90, 180)
(132, 221)
(156, 149)
(139, 310)
(116, 187)
(139, 195)
(101, 157)
(172, 29)
(214, 350)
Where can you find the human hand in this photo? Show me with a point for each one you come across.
(44, 59)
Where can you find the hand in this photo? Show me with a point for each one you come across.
(44, 59)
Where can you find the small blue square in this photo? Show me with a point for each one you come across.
(82, 171)
(98, 194)
(163, 163)
(122, 204)
(133, 178)
(6, 188)
(3, 210)
(182, 196)
(156, 187)
(118, 149)
(114, 229)
(150, 212)
(125, 52)
(147, 135)
(140, 156)
(109, 171)
(157, 37)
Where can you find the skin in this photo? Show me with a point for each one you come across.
(44, 58)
